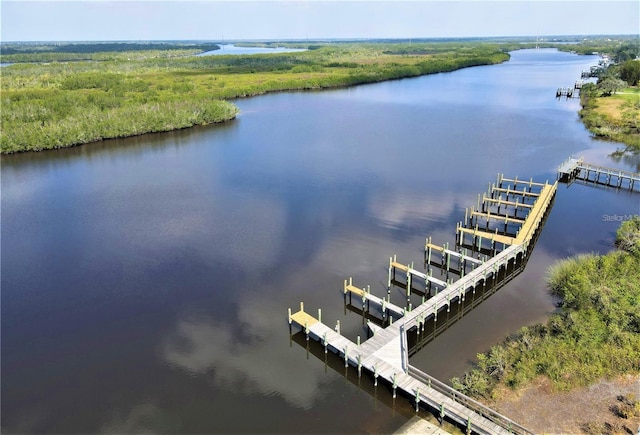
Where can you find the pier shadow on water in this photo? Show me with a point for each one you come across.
(380, 394)
(418, 337)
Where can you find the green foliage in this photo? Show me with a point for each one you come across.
(628, 235)
(624, 128)
(611, 85)
(595, 334)
(619, 47)
(630, 72)
(58, 52)
(627, 51)
(127, 93)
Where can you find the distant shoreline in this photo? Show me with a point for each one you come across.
(112, 100)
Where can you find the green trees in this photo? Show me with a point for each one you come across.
(611, 85)
(628, 235)
(628, 51)
(129, 93)
(630, 72)
(595, 334)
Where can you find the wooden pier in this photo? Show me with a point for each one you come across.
(385, 354)
(577, 169)
(569, 92)
(542, 198)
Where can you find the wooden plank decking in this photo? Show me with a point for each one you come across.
(383, 362)
(385, 354)
(365, 295)
(577, 169)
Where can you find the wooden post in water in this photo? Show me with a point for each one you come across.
(394, 385)
(409, 268)
(375, 375)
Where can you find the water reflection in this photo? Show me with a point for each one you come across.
(147, 279)
(200, 346)
(230, 49)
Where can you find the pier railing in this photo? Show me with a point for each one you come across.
(468, 402)
(386, 353)
(577, 169)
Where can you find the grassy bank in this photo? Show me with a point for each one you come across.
(595, 334)
(59, 104)
(614, 117)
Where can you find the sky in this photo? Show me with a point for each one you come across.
(106, 20)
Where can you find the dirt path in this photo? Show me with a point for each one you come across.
(543, 411)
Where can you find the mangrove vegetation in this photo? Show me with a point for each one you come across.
(595, 334)
(57, 95)
(131, 92)
(611, 106)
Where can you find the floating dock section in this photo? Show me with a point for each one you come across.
(494, 236)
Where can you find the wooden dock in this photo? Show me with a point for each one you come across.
(568, 92)
(577, 169)
(386, 355)
(536, 211)
(385, 305)
(382, 356)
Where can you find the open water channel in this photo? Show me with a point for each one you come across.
(146, 281)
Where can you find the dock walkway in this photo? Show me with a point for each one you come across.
(379, 356)
(385, 354)
(577, 169)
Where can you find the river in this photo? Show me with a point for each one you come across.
(146, 281)
(227, 49)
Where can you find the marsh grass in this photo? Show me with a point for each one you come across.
(594, 335)
(62, 104)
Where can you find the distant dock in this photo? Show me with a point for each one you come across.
(577, 169)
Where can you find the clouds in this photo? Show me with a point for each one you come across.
(214, 20)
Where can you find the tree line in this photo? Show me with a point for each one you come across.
(64, 104)
(595, 334)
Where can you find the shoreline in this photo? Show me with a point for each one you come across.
(584, 409)
(605, 117)
(577, 371)
(120, 121)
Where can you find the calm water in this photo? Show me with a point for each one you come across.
(145, 282)
(232, 49)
